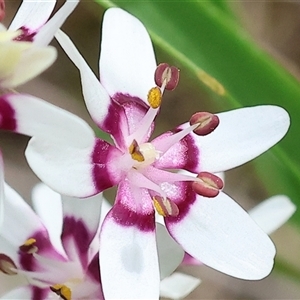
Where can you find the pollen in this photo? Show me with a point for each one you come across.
(154, 97)
(62, 290)
(29, 246)
(158, 207)
(135, 152)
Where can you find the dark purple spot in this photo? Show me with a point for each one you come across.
(103, 154)
(127, 217)
(26, 35)
(38, 293)
(43, 244)
(7, 115)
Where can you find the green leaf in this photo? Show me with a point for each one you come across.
(206, 39)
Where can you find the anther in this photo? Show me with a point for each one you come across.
(166, 77)
(135, 152)
(62, 291)
(154, 97)
(29, 246)
(7, 265)
(206, 121)
(209, 185)
(165, 207)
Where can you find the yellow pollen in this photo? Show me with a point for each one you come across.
(135, 152)
(62, 290)
(158, 207)
(154, 97)
(29, 242)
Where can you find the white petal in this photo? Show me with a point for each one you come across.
(48, 206)
(2, 199)
(219, 233)
(178, 286)
(46, 34)
(65, 169)
(23, 61)
(32, 14)
(127, 61)
(96, 98)
(24, 292)
(242, 135)
(129, 263)
(272, 213)
(48, 122)
(19, 219)
(170, 253)
(87, 210)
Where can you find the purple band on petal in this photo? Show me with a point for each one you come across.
(124, 114)
(94, 269)
(44, 247)
(26, 35)
(38, 293)
(183, 155)
(184, 198)
(7, 115)
(77, 230)
(103, 154)
(126, 217)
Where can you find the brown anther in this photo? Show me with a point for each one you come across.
(135, 152)
(2, 10)
(165, 207)
(154, 97)
(62, 291)
(209, 185)
(7, 264)
(206, 121)
(164, 74)
(29, 246)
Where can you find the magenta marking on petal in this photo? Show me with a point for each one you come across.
(44, 246)
(127, 217)
(103, 154)
(124, 114)
(26, 35)
(76, 230)
(184, 201)
(7, 115)
(38, 293)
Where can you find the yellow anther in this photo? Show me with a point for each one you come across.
(154, 97)
(29, 242)
(135, 152)
(158, 207)
(62, 290)
(29, 246)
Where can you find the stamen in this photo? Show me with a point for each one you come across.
(165, 207)
(154, 97)
(206, 121)
(29, 246)
(172, 139)
(62, 290)
(209, 185)
(166, 77)
(7, 265)
(144, 126)
(135, 152)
